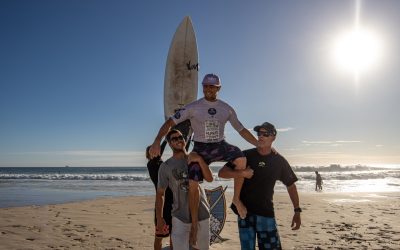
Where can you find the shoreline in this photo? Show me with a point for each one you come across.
(229, 192)
(329, 221)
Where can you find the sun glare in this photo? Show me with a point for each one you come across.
(357, 51)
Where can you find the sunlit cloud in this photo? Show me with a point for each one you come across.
(278, 129)
(284, 129)
(317, 142)
(329, 143)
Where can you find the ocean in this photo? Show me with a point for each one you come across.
(46, 185)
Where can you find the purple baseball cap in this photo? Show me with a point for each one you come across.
(211, 79)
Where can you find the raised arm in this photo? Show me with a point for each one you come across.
(155, 148)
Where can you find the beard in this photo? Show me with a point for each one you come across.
(178, 150)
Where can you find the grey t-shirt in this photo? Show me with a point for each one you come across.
(173, 173)
(208, 119)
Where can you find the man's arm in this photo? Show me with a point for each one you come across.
(160, 197)
(248, 136)
(228, 173)
(155, 148)
(205, 169)
(194, 203)
(294, 197)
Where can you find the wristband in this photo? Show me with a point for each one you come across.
(297, 210)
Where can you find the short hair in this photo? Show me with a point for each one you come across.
(148, 152)
(171, 132)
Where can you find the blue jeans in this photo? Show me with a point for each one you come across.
(263, 227)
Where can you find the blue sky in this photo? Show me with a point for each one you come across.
(81, 81)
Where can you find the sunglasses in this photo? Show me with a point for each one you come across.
(265, 134)
(176, 138)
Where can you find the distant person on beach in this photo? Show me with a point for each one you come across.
(257, 192)
(153, 165)
(318, 181)
(173, 173)
(208, 117)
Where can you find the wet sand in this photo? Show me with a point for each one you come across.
(329, 221)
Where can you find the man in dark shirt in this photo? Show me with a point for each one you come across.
(257, 191)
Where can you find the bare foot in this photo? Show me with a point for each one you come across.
(242, 210)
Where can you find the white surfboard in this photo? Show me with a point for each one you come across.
(181, 72)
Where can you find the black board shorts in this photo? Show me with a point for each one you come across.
(212, 152)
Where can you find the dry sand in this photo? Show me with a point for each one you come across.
(330, 221)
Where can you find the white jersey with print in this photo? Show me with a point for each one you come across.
(208, 119)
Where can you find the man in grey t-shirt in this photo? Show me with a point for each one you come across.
(173, 173)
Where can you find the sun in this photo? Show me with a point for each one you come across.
(357, 50)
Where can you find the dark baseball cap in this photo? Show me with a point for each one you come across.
(267, 126)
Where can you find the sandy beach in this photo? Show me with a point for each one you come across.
(330, 221)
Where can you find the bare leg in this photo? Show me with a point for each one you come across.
(157, 243)
(240, 164)
(194, 202)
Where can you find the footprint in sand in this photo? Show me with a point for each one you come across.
(80, 228)
(118, 239)
(69, 235)
(80, 239)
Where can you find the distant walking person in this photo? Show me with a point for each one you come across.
(318, 182)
